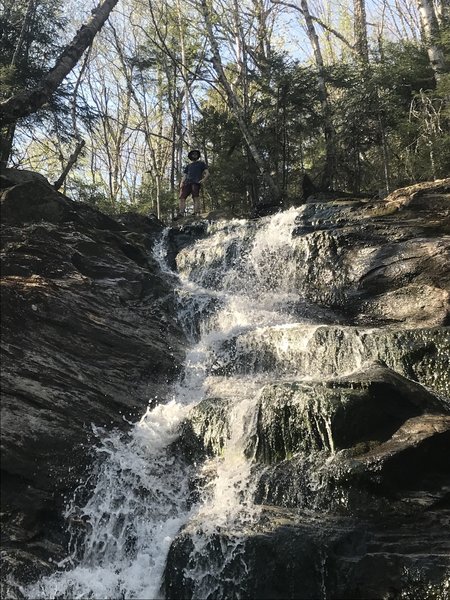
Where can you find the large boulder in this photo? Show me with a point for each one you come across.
(353, 476)
(366, 407)
(334, 414)
(89, 339)
(302, 556)
(387, 260)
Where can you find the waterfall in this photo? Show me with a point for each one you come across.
(234, 285)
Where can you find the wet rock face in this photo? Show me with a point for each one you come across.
(420, 354)
(312, 556)
(353, 482)
(351, 434)
(182, 236)
(290, 555)
(365, 408)
(389, 259)
(89, 337)
(375, 263)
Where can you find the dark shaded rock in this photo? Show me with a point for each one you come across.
(11, 177)
(182, 236)
(304, 557)
(367, 407)
(89, 337)
(224, 213)
(138, 223)
(414, 458)
(405, 475)
(37, 201)
(337, 195)
(277, 561)
(264, 209)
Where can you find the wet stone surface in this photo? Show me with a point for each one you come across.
(303, 452)
(350, 437)
(89, 337)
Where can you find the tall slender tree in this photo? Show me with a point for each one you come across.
(431, 34)
(235, 104)
(328, 127)
(360, 29)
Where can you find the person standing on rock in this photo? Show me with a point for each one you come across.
(194, 174)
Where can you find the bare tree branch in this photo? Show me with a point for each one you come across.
(319, 22)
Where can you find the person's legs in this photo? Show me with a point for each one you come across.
(184, 193)
(196, 198)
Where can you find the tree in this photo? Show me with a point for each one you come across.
(431, 35)
(29, 34)
(360, 28)
(27, 102)
(235, 103)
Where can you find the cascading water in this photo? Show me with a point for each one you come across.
(240, 280)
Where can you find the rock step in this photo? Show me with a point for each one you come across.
(422, 355)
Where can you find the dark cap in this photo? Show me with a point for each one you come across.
(194, 154)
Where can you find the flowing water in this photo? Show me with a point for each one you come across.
(238, 282)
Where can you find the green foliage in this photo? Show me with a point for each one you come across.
(284, 118)
(95, 196)
(39, 48)
(227, 157)
(145, 201)
(390, 111)
(390, 121)
(29, 45)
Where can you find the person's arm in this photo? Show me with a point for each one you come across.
(183, 177)
(205, 176)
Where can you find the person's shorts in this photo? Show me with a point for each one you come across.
(190, 188)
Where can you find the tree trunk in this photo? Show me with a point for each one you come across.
(443, 13)
(386, 162)
(263, 34)
(241, 58)
(28, 102)
(328, 127)
(72, 160)
(236, 106)
(6, 143)
(25, 24)
(360, 28)
(184, 74)
(430, 26)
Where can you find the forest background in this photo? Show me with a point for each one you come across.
(354, 93)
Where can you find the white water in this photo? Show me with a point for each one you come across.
(140, 499)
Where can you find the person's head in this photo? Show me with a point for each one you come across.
(194, 155)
